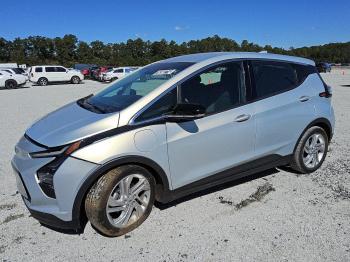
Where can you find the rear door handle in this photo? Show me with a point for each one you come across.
(304, 98)
(242, 118)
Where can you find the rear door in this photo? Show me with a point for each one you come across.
(61, 74)
(283, 105)
(50, 73)
(222, 139)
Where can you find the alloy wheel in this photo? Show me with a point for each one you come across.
(314, 150)
(128, 200)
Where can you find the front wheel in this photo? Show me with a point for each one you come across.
(75, 80)
(120, 200)
(311, 150)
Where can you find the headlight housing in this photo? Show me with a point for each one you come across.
(45, 174)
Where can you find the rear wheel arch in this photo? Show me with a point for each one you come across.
(324, 123)
(162, 183)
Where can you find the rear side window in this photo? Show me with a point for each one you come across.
(50, 69)
(273, 77)
(60, 69)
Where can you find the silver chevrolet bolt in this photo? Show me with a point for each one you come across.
(170, 129)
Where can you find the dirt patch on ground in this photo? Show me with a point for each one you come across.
(335, 175)
(7, 206)
(12, 217)
(258, 195)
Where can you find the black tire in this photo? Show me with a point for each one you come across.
(75, 80)
(11, 84)
(43, 81)
(97, 198)
(297, 162)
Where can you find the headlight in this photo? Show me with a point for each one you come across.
(45, 174)
(57, 151)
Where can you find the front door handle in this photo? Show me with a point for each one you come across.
(242, 118)
(304, 98)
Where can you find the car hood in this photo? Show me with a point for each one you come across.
(69, 124)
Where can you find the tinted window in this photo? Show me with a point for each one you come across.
(273, 77)
(119, 71)
(164, 105)
(50, 69)
(217, 89)
(303, 71)
(60, 69)
(38, 69)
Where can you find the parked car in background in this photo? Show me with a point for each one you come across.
(98, 73)
(324, 67)
(85, 69)
(11, 80)
(219, 117)
(116, 73)
(16, 70)
(45, 74)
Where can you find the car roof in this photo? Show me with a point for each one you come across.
(201, 57)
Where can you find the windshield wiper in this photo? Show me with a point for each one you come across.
(85, 104)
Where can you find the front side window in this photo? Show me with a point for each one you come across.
(134, 86)
(217, 89)
(38, 69)
(119, 71)
(163, 105)
(272, 77)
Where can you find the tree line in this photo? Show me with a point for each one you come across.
(68, 50)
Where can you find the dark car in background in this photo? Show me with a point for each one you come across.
(324, 67)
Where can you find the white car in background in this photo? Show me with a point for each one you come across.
(17, 70)
(10, 80)
(44, 74)
(116, 73)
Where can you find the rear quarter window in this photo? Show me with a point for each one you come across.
(272, 77)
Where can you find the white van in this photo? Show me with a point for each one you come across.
(42, 75)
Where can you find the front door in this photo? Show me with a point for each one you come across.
(224, 138)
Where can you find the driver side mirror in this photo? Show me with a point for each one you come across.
(185, 112)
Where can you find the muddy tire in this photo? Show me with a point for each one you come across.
(120, 200)
(311, 150)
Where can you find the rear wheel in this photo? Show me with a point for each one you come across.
(120, 200)
(75, 80)
(43, 81)
(311, 150)
(10, 84)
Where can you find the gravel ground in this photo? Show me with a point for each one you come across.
(278, 216)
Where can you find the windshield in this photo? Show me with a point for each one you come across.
(132, 87)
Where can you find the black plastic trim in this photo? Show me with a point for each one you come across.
(228, 175)
(138, 160)
(54, 222)
(317, 122)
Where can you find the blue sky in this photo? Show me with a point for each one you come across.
(279, 23)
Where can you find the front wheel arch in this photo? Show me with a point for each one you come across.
(162, 183)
